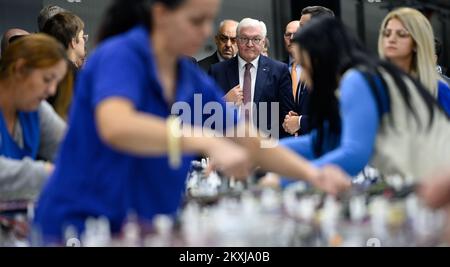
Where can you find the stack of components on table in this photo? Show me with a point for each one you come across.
(377, 211)
(209, 186)
(14, 222)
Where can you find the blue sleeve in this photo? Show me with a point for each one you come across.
(444, 97)
(301, 145)
(359, 128)
(119, 73)
(360, 124)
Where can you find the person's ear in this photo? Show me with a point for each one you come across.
(216, 40)
(73, 43)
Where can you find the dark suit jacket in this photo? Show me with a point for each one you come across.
(207, 62)
(301, 107)
(273, 84)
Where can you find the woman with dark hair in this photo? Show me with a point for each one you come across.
(124, 152)
(364, 110)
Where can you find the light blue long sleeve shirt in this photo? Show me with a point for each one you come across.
(353, 149)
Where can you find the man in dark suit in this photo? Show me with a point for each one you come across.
(294, 67)
(226, 45)
(297, 122)
(299, 91)
(251, 78)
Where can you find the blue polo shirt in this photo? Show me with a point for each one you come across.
(29, 122)
(93, 179)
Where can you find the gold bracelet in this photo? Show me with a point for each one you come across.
(173, 138)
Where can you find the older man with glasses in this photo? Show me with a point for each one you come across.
(226, 45)
(253, 78)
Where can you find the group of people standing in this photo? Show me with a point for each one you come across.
(124, 150)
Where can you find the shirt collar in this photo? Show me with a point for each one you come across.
(291, 60)
(241, 62)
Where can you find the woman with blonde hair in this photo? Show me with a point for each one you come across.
(30, 70)
(406, 39)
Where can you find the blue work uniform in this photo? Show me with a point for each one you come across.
(29, 122)
(92, 179)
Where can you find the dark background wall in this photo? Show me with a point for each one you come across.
(19, 13)
(362, 16)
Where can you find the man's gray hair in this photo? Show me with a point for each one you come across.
(222, 23)
(248, 22)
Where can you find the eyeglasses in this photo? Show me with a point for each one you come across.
(224, 39)
(86, 38)
(400, 33)
(246, 40)
(289, 35)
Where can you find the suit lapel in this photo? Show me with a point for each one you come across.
(213, 59)
(301, 94)
(233, 73)
(261, 77)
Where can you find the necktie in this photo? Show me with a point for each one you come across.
(247, 90)
(294, 79)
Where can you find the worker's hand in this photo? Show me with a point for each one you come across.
(49, 167)
(332, 180)
(435, 190)
(229, 158)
